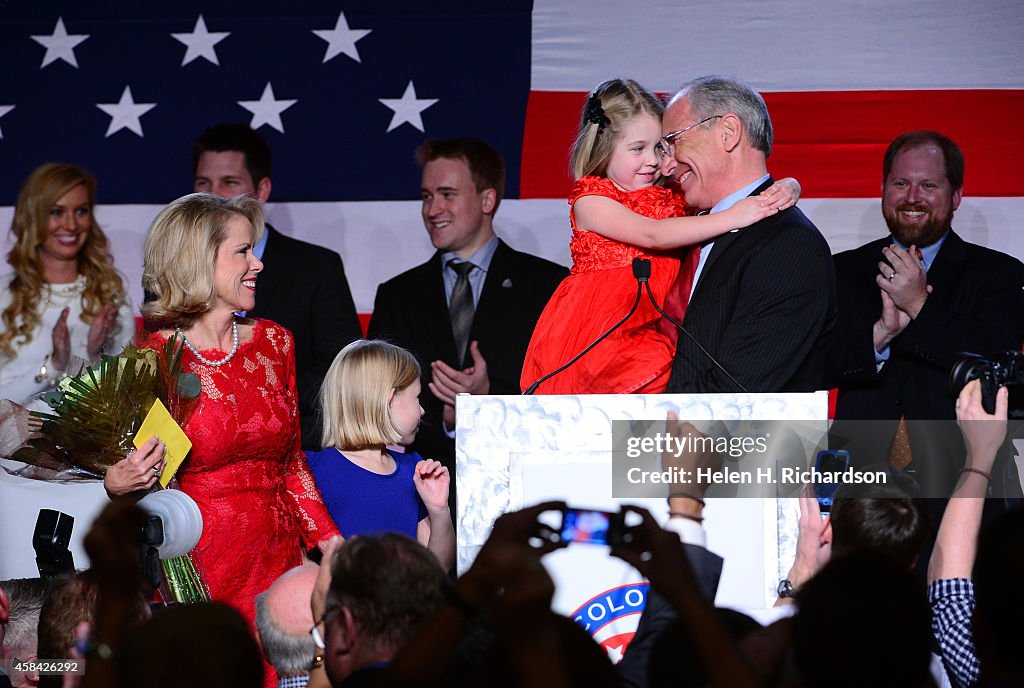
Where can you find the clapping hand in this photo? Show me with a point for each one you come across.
(448, 382)
(99, 331)
(61, 342)
(903, 278)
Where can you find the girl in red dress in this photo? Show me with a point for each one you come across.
(618, 213)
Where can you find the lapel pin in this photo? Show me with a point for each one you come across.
(507, 284)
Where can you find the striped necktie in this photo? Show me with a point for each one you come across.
(460, 306)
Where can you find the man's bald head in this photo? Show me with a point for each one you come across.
(283, 619)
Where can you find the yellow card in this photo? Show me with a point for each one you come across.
(160, 423)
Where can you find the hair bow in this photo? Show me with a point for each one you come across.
(594, 113)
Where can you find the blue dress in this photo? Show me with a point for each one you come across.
(362, 502)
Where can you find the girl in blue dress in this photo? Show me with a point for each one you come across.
(370, 402)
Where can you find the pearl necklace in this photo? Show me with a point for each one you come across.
(204, 359)
(65, 291)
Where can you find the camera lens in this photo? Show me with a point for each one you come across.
(968, 367)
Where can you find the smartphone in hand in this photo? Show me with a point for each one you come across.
(830, 461)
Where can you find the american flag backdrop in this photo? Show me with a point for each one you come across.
(344, 91)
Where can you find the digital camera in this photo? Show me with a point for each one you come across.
(1004, 369)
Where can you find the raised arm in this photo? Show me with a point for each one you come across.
(660, 556)
(950, 588)
(435, 531)
(957, 539)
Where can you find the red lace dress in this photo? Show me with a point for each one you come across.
(599, 291)
(247, 471)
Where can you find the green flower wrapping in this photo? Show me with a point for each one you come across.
(97, 413)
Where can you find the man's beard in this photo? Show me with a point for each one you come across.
(919, 234)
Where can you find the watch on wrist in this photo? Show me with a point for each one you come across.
(786, 589)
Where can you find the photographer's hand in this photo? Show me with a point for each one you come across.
(659, 555)
(514, 531)
(812, 549)
(508, 584)
(687, 500)
(956, 542)
(983, 433)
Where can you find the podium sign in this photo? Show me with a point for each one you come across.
(514, 451)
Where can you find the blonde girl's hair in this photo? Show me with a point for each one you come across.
(357, 390)
(31, 225)
(607, 110)
(181, 250)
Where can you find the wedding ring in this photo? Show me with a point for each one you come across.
(891, 275)
(156, 469)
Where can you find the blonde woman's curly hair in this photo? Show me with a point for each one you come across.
(44, 187)
(180, 252)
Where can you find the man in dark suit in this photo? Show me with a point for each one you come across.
(903, 319)
(302, 286)
(763, 301)
(482, 350)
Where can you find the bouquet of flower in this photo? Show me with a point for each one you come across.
(96, 416)
(97, 413)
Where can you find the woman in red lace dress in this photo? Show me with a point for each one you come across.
(246, 470)
(618, 214)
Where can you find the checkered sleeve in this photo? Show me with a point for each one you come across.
(952, 603)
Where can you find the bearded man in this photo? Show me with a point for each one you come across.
(908, 305)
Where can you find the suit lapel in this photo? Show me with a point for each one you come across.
(435, 301)
(493, 305)
(947, 264)
(722, 243)
(269, 279)
(498, 274)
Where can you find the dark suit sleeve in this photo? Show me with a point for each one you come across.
(385, 322)
(977, 305)
(334, 325)
(994, 322)
(658, 613)
(852, 354)
(338, 322)
(785, 299)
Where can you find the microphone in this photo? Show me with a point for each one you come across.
(641, 280)
(642, 271)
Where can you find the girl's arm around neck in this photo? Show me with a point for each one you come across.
(615, 221)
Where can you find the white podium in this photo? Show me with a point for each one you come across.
(514, 451)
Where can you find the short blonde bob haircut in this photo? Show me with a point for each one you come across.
(355, 397)
(181, 250)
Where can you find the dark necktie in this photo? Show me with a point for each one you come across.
(900, 452)
(460, 306)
